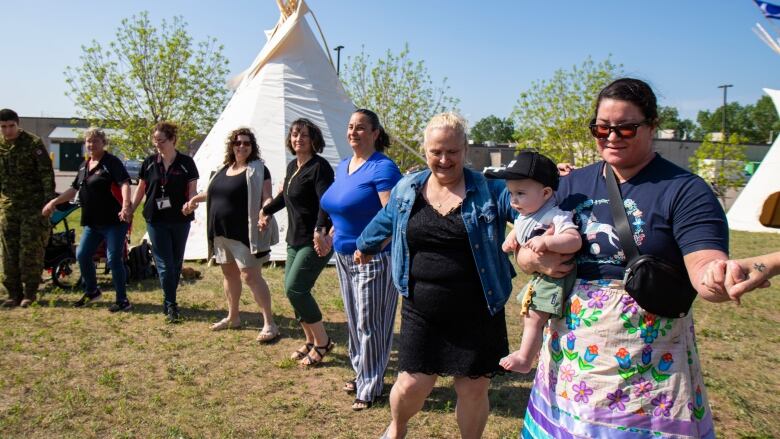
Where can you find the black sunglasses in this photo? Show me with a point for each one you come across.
(242, 143)
(623, 131)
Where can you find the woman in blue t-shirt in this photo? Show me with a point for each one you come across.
(362, 187)
(610, 365)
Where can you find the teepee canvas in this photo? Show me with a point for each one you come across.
(292, 77)
(757, 208)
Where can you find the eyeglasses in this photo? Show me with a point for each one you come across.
(242, 143)
(623, 131)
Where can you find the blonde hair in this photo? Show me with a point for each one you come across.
(449, 120)
(95, 132)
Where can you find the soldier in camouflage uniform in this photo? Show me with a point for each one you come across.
(26, 184)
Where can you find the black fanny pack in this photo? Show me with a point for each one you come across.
(656, 285)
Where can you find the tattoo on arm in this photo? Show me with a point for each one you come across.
(759, 266)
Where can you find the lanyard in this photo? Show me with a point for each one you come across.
(163, 173)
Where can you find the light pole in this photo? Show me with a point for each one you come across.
(338, 59)
(725, 88)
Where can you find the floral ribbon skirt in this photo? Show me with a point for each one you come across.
(610, 369)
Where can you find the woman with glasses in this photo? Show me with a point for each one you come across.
(610, 368)
(167, 179)
(308, 177)
(103, 188)
(234, 197)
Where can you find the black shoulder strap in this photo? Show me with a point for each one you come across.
(619, 215)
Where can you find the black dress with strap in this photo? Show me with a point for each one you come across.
(446, 328)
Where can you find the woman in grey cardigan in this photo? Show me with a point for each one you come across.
(234, 197)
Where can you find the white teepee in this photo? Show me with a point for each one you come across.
(292, 77)
(755, 203)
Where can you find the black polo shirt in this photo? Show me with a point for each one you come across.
(172, 183)
(100, 193)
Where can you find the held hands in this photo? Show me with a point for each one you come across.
(361, 258)
(262, 222)
(323, 242)
(48, 209)
(735, 277)
(126, 214)
(189, 207)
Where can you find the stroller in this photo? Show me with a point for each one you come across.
(60, 255)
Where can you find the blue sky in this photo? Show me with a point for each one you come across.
(489, 51)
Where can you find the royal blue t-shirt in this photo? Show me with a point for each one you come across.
(352, 201)
(671, 213)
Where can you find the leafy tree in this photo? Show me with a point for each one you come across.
(553, 115)
(766, 120)
(756, 123)
(150, 74)
(670, 120)
(722, 164)
(402, 94)
(492, 128)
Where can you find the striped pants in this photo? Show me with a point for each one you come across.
(370, 299)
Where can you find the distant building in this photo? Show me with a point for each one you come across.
(60, 135)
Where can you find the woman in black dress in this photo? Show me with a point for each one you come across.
(448, 265)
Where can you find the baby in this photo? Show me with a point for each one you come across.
(532, 180)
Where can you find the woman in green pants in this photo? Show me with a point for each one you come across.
(307, 178)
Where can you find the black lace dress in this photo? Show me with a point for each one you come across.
(446, 328)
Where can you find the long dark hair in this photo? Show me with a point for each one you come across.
(632, 90)
(383, 140)
(230, 156)
(315, 135)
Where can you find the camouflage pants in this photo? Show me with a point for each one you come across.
(23, 236)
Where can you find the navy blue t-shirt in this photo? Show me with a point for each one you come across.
(671, 213)
(352, 200)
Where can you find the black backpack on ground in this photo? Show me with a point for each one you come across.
(140, 262)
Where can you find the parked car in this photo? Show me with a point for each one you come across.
(133, 168)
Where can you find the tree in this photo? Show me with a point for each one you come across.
(553, 115)
(669, 119)
(492, 128)
(722, 164)
(756, 123)
(766, 120)
(148, 75)
(401, 92)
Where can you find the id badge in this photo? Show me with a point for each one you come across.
(163, 203)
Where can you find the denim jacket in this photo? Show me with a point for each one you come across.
(485, 212)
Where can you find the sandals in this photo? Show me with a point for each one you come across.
(360, 404)
(350, 387)
(309, 361)
(225, 324)
(301, 352)
(268, 335)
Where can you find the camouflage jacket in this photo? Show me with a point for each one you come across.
(26, 173)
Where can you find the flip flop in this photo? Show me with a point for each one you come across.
(360, 404)
(350, 387)
(225, 324)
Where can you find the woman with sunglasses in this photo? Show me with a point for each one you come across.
(167, 179)
(234, 197)
(610, 366)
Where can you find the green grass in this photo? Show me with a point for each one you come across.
(85, 373)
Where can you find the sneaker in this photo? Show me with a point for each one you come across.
(26, 302)
(124, 306)
(88, 298)
(10, 303)
(173, 314)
